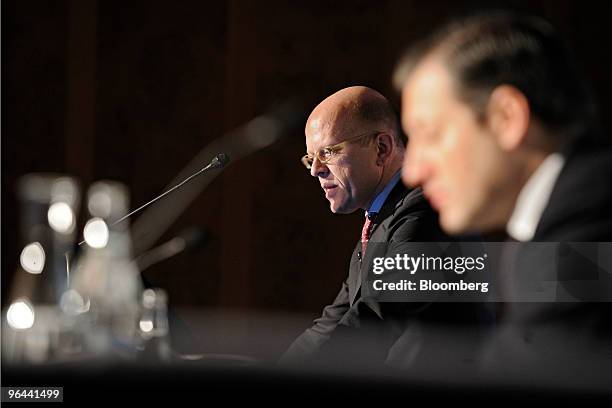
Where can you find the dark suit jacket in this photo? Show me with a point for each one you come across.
(544, 338)
(578, 214)
(580, 205)
(357, 326)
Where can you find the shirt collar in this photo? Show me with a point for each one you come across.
(533, 198)
(382, 196)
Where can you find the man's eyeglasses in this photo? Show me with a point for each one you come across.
(327, 153)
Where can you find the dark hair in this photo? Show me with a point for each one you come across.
(482, 52)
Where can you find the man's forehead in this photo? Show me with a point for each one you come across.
(316, 139)
(322, 131)
(425, 91)
(316, 124)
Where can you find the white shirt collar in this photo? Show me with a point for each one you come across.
(533, 198)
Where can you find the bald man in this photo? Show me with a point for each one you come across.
(355, 151)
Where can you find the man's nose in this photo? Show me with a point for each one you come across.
(318, 169)
(416, 169)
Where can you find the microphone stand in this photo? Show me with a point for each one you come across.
(219, 161)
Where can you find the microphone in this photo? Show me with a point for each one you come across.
(186, 240)
(218, 162)
(259, 133)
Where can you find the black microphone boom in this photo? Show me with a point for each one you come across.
(219, 161)
(187, 239)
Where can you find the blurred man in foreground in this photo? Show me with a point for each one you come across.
(504, 136)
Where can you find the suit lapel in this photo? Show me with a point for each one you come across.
(354, 276)
(379, 234)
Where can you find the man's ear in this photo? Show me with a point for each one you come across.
(508, 116)
(385, 145)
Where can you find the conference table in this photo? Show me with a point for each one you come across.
(235, 358)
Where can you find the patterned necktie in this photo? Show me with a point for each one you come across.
(365, 233)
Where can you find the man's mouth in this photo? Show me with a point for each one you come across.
(329, 189)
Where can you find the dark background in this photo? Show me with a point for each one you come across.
(133, 90)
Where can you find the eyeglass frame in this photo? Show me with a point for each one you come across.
(335, 148)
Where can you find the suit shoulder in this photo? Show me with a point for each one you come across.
(414, 219)
(413, 203)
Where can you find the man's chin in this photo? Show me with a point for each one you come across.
(453, 224)
(341, 209)
(335, 210)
